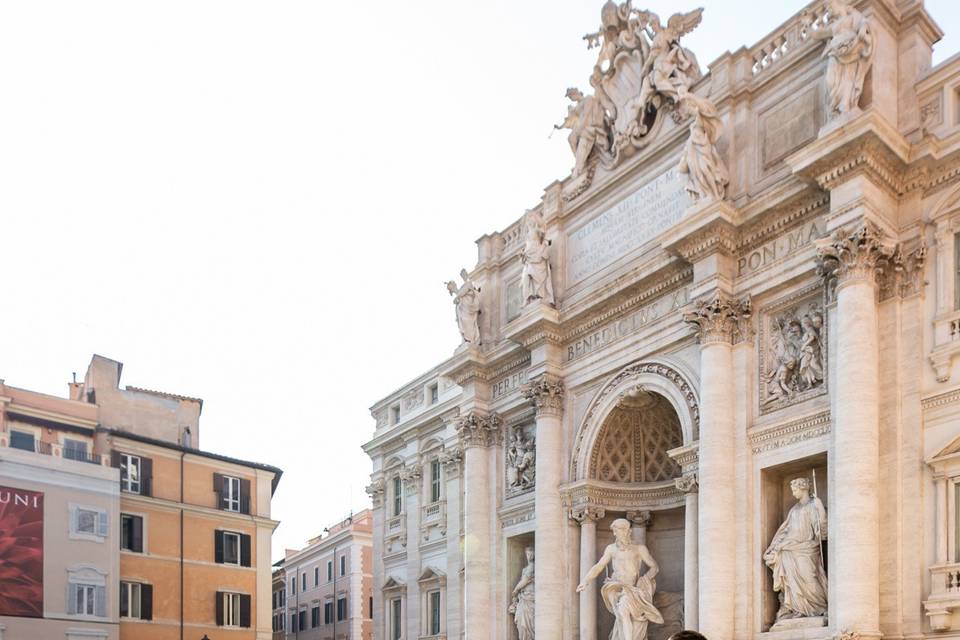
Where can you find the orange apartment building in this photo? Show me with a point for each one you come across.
(179, 540)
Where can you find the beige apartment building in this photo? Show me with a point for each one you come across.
(329, 583)
(59, 522)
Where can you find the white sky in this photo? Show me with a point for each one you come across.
(258, 203)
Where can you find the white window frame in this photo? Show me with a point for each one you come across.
(86, 577)
(395, 626)
(143, 532)
(87, 444)
(231, 493)
(24, 430)
(397, 490)
(101, 523)
(238, 538)
(130, 483)
(231, 609)
(130, 588)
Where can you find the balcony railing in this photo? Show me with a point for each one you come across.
(944, 595)
(57, 450)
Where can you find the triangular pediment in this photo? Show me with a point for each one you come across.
(393, 583)
(952, 448)
(431, 573)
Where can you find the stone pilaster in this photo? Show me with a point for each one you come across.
(546, 395)
(376, 490)
(719, 320)
(689, 486)
(452, 461)
(587, 518)
(478, 433)
(854, 258)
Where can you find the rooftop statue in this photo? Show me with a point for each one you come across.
(850, 52)
(466, 301)
(701, 163)
(536, 279)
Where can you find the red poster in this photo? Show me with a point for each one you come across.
(21, 553)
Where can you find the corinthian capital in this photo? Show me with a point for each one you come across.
(859, 253)
(687, 483)
(479, 430)
(719, 318)
(546, 394)
(587, 514)
(376, 490)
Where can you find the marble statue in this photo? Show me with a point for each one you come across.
(705, 171)
(669, 69)
(795, 558)
(466, 301)
(522, 604)
(586, 120)
(627, 593)
(537, 277)
(797, 350)
(850, 51)
(521, 462)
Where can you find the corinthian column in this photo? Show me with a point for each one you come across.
(717, 319)
(478, 433)
(855, 257)
(688, 485)
(587, 517)
(546, 394)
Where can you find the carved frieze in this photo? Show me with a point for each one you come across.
(793, 352)
(770, 437)
(622, 497)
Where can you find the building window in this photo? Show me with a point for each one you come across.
(328, 612)
(86, 591)
(22, 440)
(231, 610)
(370, 610)
(395, 414)
(433, 393)
(231, 493)
(136, 601)
(435, 481)
(234, 548)
(316, 576)
(130, 473)
(302, 619)
(131, 533)
(75, 449)
(343, 566)
(86, 595)
(329, 570)
(87, 523)
(397, 496)
(396, 618)
(315, 617)
(434, 606)
(341, 608)
(293, 586)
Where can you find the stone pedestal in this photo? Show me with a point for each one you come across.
(546, 394)
(854, 257)
(718, 318)
(587, 517)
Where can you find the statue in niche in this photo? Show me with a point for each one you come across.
(850, 50)
(705, 171)
(798, 354)
(537, 276)
(627, 593)
(522, 602)
(466, 301)
(586, 120)
(521, 462)
(794, 556)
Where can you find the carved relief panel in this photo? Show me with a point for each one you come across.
(521, 459)
(793, 351)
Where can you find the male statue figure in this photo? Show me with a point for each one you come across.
(627, 594)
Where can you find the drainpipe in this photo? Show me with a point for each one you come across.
(336, 600)
(182, 454)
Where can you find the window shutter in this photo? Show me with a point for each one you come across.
(124, 599)
(244, 550)
(244, 610)
(137, 523)
(115, 459)
(146, 602)
(244, 496)
(218, 547)
(218, 489)
(103, 524)
(71, 598)
(219, 608)
(146, 476)
(100, 604)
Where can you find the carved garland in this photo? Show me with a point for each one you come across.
(635, 371)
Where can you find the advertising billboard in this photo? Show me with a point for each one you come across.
(21, 552)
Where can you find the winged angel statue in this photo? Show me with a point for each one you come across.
(641, 70)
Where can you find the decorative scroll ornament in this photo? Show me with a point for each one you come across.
(687, 483)
(860, 253)
(720, 319)
(641, 73)
(546, 395)
(466, 301)
(850, 50)
(478, 430)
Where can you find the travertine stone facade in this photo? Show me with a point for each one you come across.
(755, 278)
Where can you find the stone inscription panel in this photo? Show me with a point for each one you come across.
(781, 247)
(626, 226)
(508, 384)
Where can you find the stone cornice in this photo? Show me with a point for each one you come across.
(620, 496)
(769, 437)
(687, 456)
(780, 219)
(706, 229)
(941, 399)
